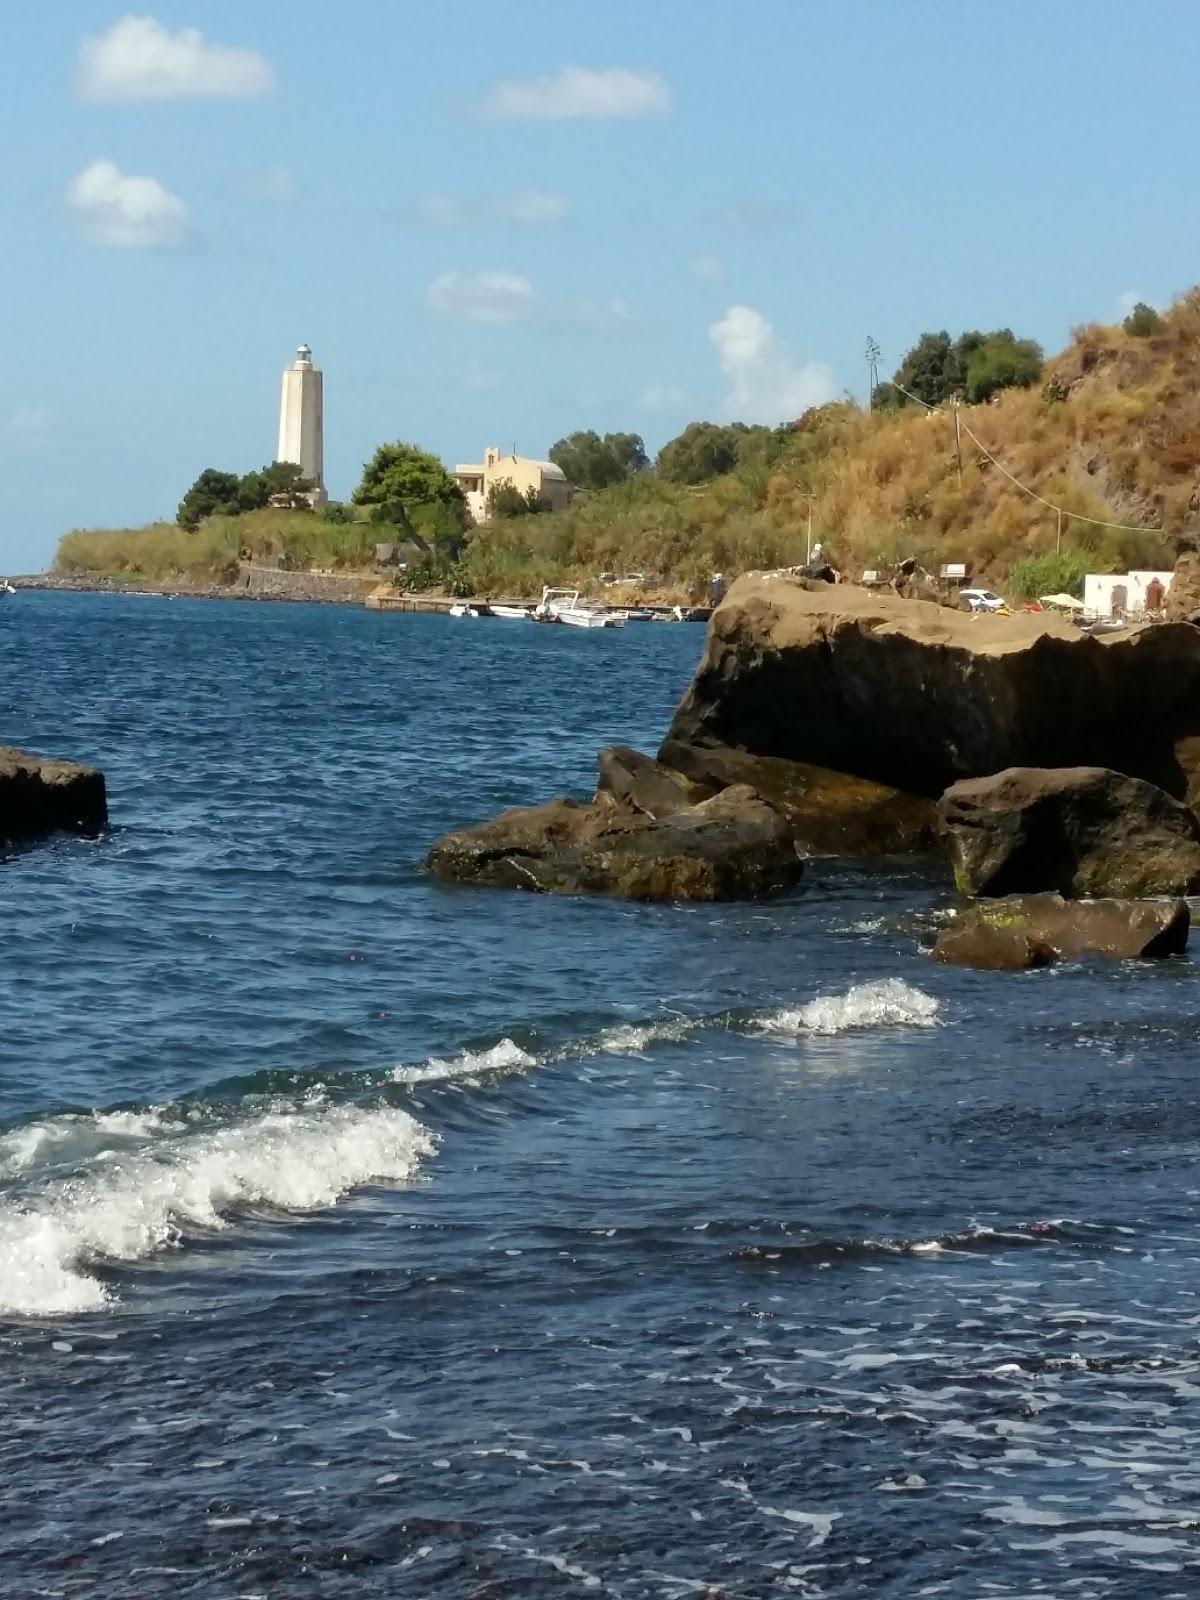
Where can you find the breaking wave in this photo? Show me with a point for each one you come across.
(84, 1189)
(888, 1003)
(132, 1204)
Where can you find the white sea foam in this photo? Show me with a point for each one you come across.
(632, 1039)
(127, 1206)
(77, 1134)
(888, 1003)
(504, 1056)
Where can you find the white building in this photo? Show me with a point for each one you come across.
(302, 421)
(543, 477)
(1121, 594)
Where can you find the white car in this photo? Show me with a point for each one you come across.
(983, 600)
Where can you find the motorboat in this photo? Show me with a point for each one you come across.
(510, 613)
(562, 605)
(461, 610)
(6, 589)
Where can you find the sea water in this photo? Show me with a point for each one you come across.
(363, 1235)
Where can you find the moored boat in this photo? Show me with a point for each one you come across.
(562, 605)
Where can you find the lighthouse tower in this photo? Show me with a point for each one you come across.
(302, 421)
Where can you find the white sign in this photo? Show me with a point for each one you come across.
(954, 569)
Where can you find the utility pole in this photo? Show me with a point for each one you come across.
(954, 401)
(873, 354)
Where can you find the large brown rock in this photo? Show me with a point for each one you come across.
(1076, 830)
(648, 785)
(39, 797)
(914, 696)
(831, 813)
(1183, 597)
(1031, 930)
(733, 846)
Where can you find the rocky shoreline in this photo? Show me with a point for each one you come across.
(830, 720)
(253, 583)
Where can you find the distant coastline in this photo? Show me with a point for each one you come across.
(342, 589)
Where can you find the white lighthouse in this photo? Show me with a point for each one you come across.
(302, 421)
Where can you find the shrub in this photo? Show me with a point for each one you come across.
(1143, 321)
(1059, 572)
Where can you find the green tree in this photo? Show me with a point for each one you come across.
(923, 372)
(592, 462)
(707, 450)
(400, 478)
(975, 364)
(214, 493)
(1143, 321)
(1002, 361)
(287, 486)
(506, 500)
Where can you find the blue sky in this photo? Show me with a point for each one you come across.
(495, 224)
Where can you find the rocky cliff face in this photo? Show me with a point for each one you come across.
(914, 696)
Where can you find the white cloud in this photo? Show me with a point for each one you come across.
(608, 314)
(441, 211)
(139, 59)
(480, 380)
(275, 186)
(580, 93)
(663, 397)
(493, 298)
(125, 211)
(766, 382)
(525, 207)
(756, 216)
(28, 422)
(531, 207)
(707, 268)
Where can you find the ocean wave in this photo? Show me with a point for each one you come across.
(634, 1038)
(978, 1239)
(503, 1056)
(75, 1135)
(886, 1003)
(128, 1206)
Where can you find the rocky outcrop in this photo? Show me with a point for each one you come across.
(1075, 830)
(39, 797)
(1033, 930)
(730, 847)
(1183, 597)
(914, 696)
(647, 785)
(830, 813)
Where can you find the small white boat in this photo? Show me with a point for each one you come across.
(6, 589)
(460, 610)
(562, 605)
(510, 613)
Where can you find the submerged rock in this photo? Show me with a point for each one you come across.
(915, 696)
(1076, 830)
(831, 813)
(40, 796)
(730, 847)
(1033, 930)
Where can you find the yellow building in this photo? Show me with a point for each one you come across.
(548, 481)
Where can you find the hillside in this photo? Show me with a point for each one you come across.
(1112, 432)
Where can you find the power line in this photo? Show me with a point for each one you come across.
(1060, 511)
